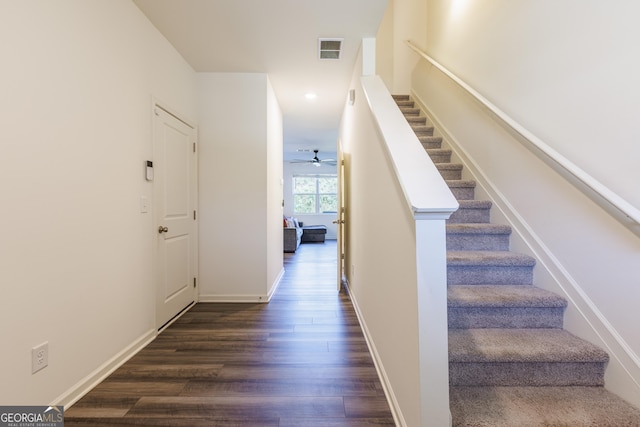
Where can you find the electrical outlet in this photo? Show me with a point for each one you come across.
(39, 357)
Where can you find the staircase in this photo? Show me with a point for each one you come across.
(510, 361)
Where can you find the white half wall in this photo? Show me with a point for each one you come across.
(380, 261)
(77, 82)
(240, 195)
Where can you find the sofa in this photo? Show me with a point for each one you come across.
(313, 233)
(292, 234)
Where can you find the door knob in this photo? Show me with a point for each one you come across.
(162, 229)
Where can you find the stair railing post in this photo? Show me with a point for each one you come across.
(431, 265)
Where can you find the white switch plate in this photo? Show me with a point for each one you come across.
(144, 204)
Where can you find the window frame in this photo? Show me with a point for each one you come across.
(317, 194)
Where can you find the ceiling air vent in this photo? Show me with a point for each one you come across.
(329, 48)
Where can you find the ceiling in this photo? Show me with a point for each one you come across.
(280, 38)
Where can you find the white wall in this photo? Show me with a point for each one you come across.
(574, 86)
(240, 130)
(403, 20)
(566, 70)
(77, 82)
(385, 48)
(304, 169)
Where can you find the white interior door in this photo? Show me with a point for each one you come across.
(174, 207)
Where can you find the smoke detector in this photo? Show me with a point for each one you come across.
(329, 48)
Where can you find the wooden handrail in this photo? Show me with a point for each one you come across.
(604, 193)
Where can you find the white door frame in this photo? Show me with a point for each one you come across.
(340, 220)
(163, 323)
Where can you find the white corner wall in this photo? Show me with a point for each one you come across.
(240, 133)
(77, 83)
(274, 246)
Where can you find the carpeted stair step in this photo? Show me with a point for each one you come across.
(405, 104)
(439, 155)
(462, 189)
(429, 142)
(415, 121)
(403, 101)
(478, 237)
(503, 306)
(523, 357)
(410, 111)
(400, 97)
(489, 268)
(540, 406)
(450, 171)
(422, 130)
(471, 211)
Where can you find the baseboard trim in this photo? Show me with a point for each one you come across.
(244, 298)
(250, 298)
(275, 285)
(235, 298)
(85, 385)
(384, 379)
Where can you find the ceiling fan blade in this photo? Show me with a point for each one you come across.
(316, 161)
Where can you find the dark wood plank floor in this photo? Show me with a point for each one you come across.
(300, 360)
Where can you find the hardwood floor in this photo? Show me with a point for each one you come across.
(300, 360)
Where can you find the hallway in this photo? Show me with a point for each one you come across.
(300, 360)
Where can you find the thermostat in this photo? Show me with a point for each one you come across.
(149, 170)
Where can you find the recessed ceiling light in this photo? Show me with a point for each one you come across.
(311, 95)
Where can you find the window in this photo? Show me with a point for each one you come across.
(315, 194)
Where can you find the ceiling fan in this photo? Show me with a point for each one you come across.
(316, 161)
